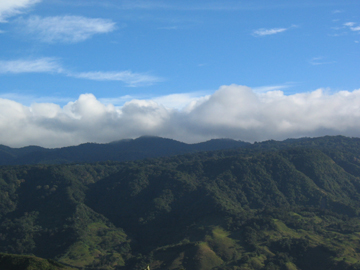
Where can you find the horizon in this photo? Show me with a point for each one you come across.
(79, 71)
(158, 137)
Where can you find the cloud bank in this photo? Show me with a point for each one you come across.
(231, 112)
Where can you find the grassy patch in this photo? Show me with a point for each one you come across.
(206, 258)
(98, 246)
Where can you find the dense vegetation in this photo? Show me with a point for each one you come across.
(272, 205)
(23, 262)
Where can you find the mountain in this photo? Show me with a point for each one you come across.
(272, 205)
(123, 150)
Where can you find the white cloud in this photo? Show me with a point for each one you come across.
(40, 65)
(10, 8)
(52, 65)
(266, 32)
(232, 111)
(68, 29)
(128, 77)
(352, 26)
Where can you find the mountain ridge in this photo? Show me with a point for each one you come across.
(123, 150)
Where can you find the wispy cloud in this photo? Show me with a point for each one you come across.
(315, 61)
(52, 65)
(266, 32)
(178, 101)
(27, 100)
(117, 101)
(226, 5)
(352, 26)
(182, 101)
(267, 88)
(67, 29)
(128, 77)
(337, 11)
(10, 8)
(41, 65)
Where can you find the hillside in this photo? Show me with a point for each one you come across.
(23, 262)
(275, 205)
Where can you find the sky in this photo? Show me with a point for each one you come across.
(77, 71)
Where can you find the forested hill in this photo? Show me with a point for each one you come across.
(275, 205)
(123, 150)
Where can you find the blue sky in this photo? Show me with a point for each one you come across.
(79, 71)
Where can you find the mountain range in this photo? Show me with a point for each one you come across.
(290, 205)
